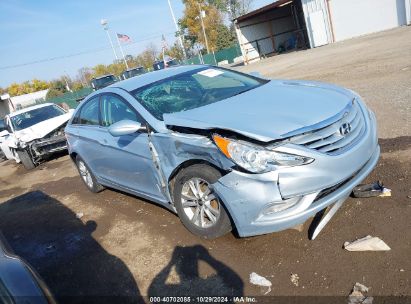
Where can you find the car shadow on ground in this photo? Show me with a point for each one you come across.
(60, 247)
(181, 276)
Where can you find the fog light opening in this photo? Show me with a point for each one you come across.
(276, 207)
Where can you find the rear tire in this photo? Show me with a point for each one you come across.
(199, 208)
(87, 176)
(26, 159)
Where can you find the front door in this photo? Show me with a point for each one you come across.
(128, 162)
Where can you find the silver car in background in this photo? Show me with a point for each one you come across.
(224, 149)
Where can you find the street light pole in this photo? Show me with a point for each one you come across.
(203, 27)
(104, 23)
(180, 39)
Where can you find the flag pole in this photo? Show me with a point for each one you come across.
(180, 38)
(122, 52)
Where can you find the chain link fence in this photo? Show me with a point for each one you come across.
(224, 56)
(71, 98)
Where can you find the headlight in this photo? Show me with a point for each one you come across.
(255, 158)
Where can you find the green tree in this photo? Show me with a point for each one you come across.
(100, 70)
(57, 88)
(225, 37)
(190, 23)
(233, 8)
(175, 51)
(14, 89)
(39, 85)
(53, 92)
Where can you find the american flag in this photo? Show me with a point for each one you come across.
(123, 38)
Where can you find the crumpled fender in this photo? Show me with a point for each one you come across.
(11, 141)
(183, 147)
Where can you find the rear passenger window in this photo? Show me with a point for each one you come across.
(89, 113)
(114, 109)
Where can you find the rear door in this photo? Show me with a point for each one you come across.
(128, 161)
(87, 133)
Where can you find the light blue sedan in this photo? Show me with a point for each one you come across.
(224, 149)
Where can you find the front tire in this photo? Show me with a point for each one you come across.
(199, 208)
(87, 176)
(26, 159)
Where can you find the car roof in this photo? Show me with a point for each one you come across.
(30, 108)
(147, 78)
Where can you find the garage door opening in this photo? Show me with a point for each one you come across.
(275, 28)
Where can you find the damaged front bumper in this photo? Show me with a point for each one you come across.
(50, 145)
(247, 199)
(282, 199)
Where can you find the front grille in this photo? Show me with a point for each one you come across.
(330, 139)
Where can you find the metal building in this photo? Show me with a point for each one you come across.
(294, 24)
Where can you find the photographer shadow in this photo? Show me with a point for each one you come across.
(61, 248)
(186, 279)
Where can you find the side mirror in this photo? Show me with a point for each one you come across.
(125, 127)
(255, 74)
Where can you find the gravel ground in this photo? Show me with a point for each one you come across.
(113, 244)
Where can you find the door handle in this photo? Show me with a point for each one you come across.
(103, 142)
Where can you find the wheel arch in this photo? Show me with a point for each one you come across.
(73, 156)
(189, 163)
(192, 162)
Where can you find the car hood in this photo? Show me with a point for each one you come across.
(275, 110)
(42, 128)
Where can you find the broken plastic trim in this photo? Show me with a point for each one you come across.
(319, 222)
(370, 190)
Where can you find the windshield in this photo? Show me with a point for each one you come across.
(193, 89)
(30, 118)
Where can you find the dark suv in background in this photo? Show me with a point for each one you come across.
(159, 64)
(102, 81)
(133, 72)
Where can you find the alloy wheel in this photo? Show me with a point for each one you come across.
(85, 174)
(199, 202)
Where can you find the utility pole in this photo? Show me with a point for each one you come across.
(104, 23)
(122, 52)
(203, 27)
(180, 39)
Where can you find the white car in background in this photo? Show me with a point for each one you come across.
(34, 133)
(3, 146)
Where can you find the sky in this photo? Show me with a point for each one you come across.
(32, 31)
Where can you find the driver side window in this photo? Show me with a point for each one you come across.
(114, 109)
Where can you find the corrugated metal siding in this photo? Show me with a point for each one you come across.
(311, 6)
(353, 18)
(408, 11)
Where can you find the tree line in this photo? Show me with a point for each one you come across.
(219, 29)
